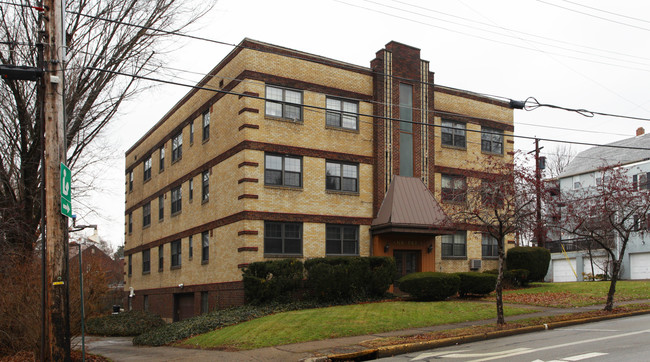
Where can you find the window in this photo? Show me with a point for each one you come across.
(146, 214)
(177, 200)
(146, 303)
(162, 158)
(284, 103)
(453, 133)
(176, 253)
(191, 132)
(454, 245)
(205, 246)
(282, 238)
(130, 264)
(492, 140)
(406, 130)
(146, 261)
(204, 302)
(206, 125)
(191, 187)
(130, 181)
(453, 188)
(577, 184)
(489, 246)
(342, 240)
(342, 114)
(161, 257)
(644, 181)
(177, 146)
(130, 223)
(147, 169)
(283, 170)
(205, 186)
(492, 194)
(190, 247)
(341, 176)
(161, 207)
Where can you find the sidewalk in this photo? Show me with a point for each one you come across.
(121, 349)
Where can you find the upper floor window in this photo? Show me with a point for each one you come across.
(283, 103)
(205, 185)
(342, 240)
(130, 264)
(454, 245)
(176, 253)
(190, 246)
(205, 246)
(177, 200)
(206, 125)
(453, 188)
(146, 261)
(177, 146)
(130, 181)
(146, 214)
(341, 176)
(282, 238)
(342, 114)
(162, 158)
(191, 132)
(492, 140)
(489, 246)
(641, 180)
(453, 133)
(191, 187)
(147, 168)
(130, 223)
(161, 207)
(283, 170)
(161, 257)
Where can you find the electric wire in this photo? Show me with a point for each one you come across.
(607, 12)
(594, 16)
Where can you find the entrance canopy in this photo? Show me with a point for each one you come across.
(410, 207)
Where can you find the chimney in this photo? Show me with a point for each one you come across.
(640, 131)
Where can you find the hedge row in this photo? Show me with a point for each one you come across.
(440, 286)
(533, 259)
(327, 279)
(131, 323)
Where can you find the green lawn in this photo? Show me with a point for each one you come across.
(577, 294)
(342, 321)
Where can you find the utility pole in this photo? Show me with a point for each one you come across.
(539, 232)
(58, 333)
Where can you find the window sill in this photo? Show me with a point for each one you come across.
(454, 147)
(338, 192)
(145, 227)
(177, 160)
(204, 262)
(160, 270)
(281, 119)
(491, 153)
(177, 213)
(204, 201)
(204, 141)
(161, 220)
(274, 256)
(282, 187)
(146, 272)
(454, 258)
(161, 171)
(343, 255)
(349, 130)
(490, 257)
(174, 267)
(147, 180)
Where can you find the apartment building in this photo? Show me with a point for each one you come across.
(279, 153)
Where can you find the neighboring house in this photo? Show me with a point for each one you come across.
(582, 173)
(283, 154)
(96, 259)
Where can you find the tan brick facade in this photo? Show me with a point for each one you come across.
(240, 199)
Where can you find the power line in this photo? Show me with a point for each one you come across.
(607, 12)
(594, 16)
(357, 113)
(531, 104)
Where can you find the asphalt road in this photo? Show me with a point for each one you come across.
(621, 340)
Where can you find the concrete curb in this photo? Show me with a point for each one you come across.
(389, 351)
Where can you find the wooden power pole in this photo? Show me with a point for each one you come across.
(57, 313)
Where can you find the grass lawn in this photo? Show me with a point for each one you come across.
(577, 294)
(343, 321)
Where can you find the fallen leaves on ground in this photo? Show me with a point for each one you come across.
(553, 299)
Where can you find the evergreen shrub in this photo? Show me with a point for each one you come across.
(430, 285)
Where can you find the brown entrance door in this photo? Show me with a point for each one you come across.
(183, 306)
(407, 261)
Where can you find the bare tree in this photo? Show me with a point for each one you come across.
(98, 36)
(608, 214)
(500, 203)
(558, 159)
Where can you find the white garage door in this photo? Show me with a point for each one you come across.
(640, 266)
(562, 271)
(600, 264)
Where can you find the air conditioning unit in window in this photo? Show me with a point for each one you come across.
(475, 264)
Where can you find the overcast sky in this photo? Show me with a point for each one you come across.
(579, 54)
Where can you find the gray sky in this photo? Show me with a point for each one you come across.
(592, 55)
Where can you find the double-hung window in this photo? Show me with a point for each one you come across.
(191, 132)
(176, 253)
(130, 181)
(177, 200)
(205, 186)
(130, 223)
(161, 257)
(161, 207)
(191, 187)
(453, 188)
(177, 146)
(161, 153)
(492, 140)
(284, 103)
(190, 247)
(341, 176)
(342, 114)
(342, 240)
(146, 214)
(282, 238)
(147, 169)
(146, 261)
(205, 246)
(489, 246)
(206, 125)
(283, 170)
(130, 265)
(454, 245)
(453, 134)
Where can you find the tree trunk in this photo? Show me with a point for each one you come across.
(609, 305)
(499, 287)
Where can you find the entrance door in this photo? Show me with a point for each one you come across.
(408, 261)
(183, 306)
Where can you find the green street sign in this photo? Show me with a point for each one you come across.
(66, 191)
